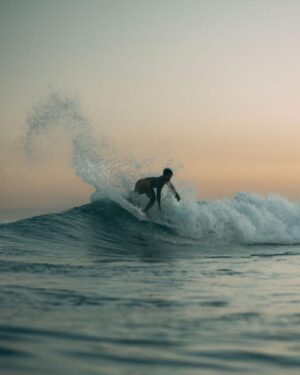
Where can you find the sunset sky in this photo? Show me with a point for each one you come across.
(214, 84)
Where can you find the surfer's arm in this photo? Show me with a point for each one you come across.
(176, 195)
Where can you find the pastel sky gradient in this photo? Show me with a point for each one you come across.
(216, 84)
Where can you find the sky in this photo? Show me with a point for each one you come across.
(214, 85)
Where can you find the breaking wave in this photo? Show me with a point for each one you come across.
(247, 218)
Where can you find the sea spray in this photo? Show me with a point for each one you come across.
(247, 218)
(96, 163)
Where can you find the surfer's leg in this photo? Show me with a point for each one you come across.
(151, 195)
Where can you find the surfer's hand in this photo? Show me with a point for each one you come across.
(177, 196)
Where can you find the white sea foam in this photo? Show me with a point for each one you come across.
(247, 218)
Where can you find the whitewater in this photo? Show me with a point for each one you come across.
(208, 287)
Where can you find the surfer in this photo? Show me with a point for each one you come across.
(148, 184)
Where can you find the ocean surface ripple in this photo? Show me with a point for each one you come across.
(96, 289)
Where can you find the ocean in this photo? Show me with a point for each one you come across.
(96, 290)
(205, 287)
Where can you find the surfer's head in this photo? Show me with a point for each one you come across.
(167, 173)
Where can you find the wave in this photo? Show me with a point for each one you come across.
(246, 219)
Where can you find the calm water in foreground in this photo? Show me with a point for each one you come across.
(96, 291)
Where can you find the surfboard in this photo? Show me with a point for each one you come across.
(134, 210)
(130, 206)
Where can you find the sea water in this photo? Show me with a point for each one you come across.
(206, 287)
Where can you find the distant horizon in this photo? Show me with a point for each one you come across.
(212, 86)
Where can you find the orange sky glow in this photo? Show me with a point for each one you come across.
(213, 85)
